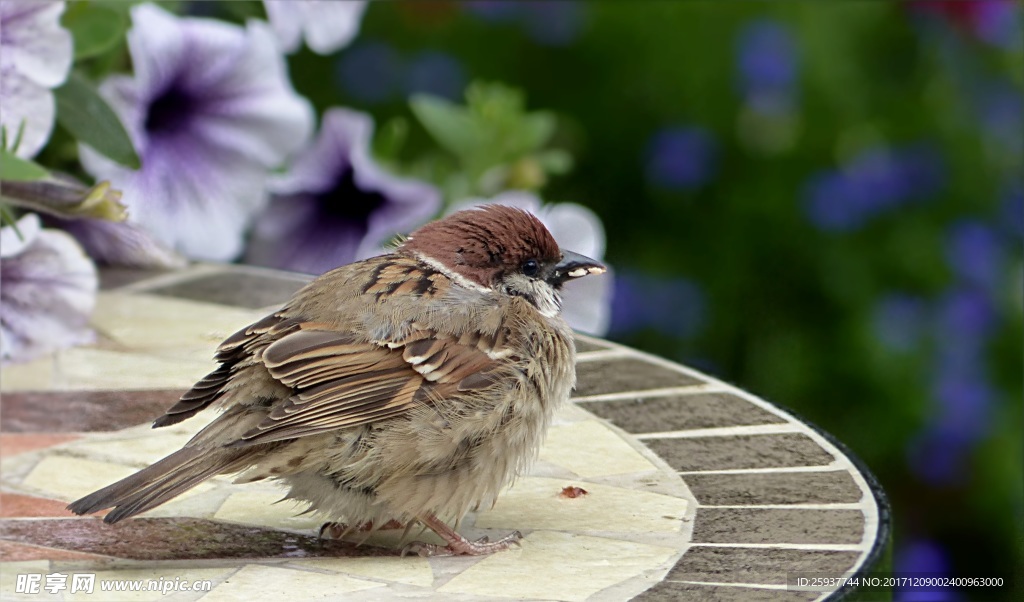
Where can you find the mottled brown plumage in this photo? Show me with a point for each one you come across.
(413, 386)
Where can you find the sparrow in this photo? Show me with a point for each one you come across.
(410, 387)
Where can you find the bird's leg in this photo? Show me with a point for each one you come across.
(457, 544)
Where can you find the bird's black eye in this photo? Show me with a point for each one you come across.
(531, 267)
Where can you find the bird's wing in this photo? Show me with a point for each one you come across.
(234, 354)
(341, 382)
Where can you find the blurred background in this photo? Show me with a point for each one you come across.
(819, 202)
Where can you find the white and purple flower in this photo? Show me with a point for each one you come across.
(335, 204)
(35, 57)
(210, 110)
(587, 306)
(48, 294)
(326, 25)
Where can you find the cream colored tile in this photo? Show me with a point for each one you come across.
(9, 572)
(409, 570)
(82, 368)
(591, 449)
(256, 582)
(259, 508)
(135, 450)
(31, 376)
(557, 565)
(148, 584)
(535, 503)
(159, 323)
(65, 478)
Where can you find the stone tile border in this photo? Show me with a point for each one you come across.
(735, 491)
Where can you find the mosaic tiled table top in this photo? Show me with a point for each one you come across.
(694, 489)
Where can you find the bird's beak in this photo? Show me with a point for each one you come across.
(574, 265)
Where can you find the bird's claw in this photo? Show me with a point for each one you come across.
(464, 547)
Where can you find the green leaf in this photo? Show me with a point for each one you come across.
(16, 169)
(555, 161)
(87, 117)
(95, 28)
(535, 130)
(450, 125)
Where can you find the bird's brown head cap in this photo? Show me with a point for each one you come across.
(485, 242)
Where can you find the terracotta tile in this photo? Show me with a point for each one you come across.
(175, 539)
(17, 443)
(15, 505)
(81, 411)
(17, 552)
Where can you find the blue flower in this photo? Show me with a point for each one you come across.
(974, 251)
(966, 318)
(370, 72)
(35, 56)
(211, 111)
(997, 22)
(922, 557)
(674, 306)
(965, 400)
(766, 64)
(436, 73)
(681, 158)
(899, 321)
(554, 23)
(1000, 108)
(48, 294)
(872, 182)
(939, 457)
(1011, 209)
(549, 23)
(335, 205)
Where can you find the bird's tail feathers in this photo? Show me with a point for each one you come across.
(156, 484)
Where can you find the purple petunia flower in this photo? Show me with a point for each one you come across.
(681, 158)
(35, 57)
(210, 110)
(336, 205)
(587, 306)
(119, 243)
(326, 25)
(49, 290)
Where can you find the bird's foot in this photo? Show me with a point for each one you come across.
(463, 547)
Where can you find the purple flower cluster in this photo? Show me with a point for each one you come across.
(873, 182)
